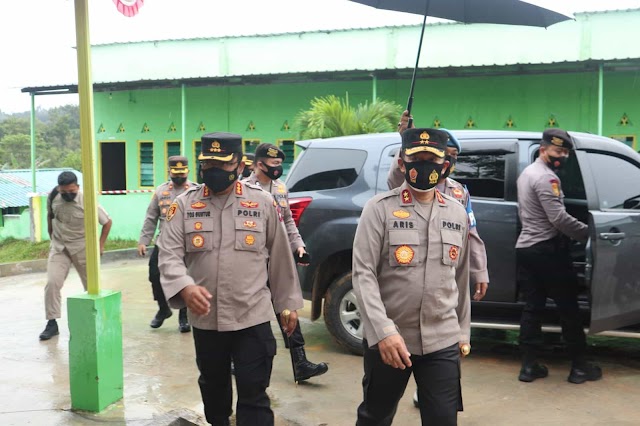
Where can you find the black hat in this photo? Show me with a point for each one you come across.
(248, 159)
(557, 137)
(178, 164)
(220, 146)
(429, 140)
(268, 150)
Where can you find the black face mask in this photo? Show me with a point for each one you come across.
(452, 165)
(422, 175)
(273, 173)
(246, 172)
(178, 181)
(557, 163)
(69, 196)
(217, 180)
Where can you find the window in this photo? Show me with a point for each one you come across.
(250, 145)
(146, 164)
(288, 146)
(113, 161)
(629, 140)
(320, 169)
(483, 174)
(616, 181)
(173, 148)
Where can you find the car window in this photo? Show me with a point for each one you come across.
(320, 169)
(616, 181)
(483, 174)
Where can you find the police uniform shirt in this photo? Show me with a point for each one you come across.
(541, 208)
(410, 271)
(232, 250)
(68, 224)
(158, 207)
(280, 193)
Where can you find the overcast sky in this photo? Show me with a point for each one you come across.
(37, 36)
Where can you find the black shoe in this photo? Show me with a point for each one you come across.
(306, 369)
(531, 372)
(183, 321)
(585, 372)
(163, 314)
(50, 330)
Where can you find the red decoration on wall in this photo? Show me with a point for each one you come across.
(128, 8)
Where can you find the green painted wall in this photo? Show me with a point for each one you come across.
(16, 226)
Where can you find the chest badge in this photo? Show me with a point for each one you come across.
(197, 226)
(198, 205)
(404, 255)
(172, 211)
(249, 240)
(164, 211)
(454, 251)
(249, 204)
(165, 193)
(197, 241)
(249, 224)
(457, 192)
(402, 214)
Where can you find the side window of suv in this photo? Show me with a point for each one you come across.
(483, 174)
(321, 169)
(616, 181)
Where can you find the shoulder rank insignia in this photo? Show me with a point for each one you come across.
(238, 188)
(457, 192)
(404, 255)
(406, 196)
(249, 204)
(198, 205)
(206, 192)
(439, 197)
(453, 252)
(402, 214)
(555, 187)
(172, 211)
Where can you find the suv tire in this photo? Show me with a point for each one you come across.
(342, 315)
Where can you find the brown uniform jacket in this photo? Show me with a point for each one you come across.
(541, 208)
(157, 210)
(232, 250)
(478, 270)
(280, 192)
(411, 271)
(68, 224)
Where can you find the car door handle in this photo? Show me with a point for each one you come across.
(612, 236)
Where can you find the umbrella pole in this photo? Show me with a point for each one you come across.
(415, 69)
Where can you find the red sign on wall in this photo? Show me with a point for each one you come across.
(128, 7)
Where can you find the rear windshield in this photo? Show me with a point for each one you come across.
(319, 169)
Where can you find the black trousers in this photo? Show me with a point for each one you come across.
(296, 340)
(154, 278)
(549, 273)
(252, 350)
(437, 376)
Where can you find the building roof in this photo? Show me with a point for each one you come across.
(594, 36)
(16, 185)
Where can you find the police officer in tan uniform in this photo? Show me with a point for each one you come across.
(248, 158)
(222, 242)
(543, 254)
(66, 231)
(156, 214)
(266, 174)
(411, 278)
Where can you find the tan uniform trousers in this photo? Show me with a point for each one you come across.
(57, 270)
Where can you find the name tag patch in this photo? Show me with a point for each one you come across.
(451, 225)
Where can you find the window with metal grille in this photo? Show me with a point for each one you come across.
(146, 164)
(173, 148)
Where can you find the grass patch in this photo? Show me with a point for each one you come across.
(13, 250)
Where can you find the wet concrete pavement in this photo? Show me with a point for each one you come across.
(160, 371)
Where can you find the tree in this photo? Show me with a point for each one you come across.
(331, 116)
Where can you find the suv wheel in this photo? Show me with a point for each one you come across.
(342, 314)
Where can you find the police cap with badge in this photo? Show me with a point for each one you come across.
(557, 137)
(267, 150)
(219, 146)
(248, 159)
(178, 164)
(424, 140)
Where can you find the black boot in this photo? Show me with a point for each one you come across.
(183, 321)
(305, 369)
(531, 372)
(50, 330)
(583, 372)
(163, 313)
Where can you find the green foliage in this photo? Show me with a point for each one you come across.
(14, 250)
(332, 116)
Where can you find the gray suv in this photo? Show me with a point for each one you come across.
(332, 179)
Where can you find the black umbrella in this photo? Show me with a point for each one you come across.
(511, 12)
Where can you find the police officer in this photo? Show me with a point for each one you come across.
(156, 212)
(266, 174)
(411, 279)
(222, 242)
(543, 254)
(68, 245)
(248, 164)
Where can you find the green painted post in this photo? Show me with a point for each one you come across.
(374, 89)
(183, 144)
(95, 350)
(600, 97)
(33, 142)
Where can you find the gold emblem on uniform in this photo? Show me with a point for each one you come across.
(215, 147)
(206, 192)
(413, 175)
(453, 252)
(249, 204)
(555, 187)
(272, 152)
(457, 192)
(198, 205)
(283, 203)
(172, 211)
(249, 224)
(164, 210)
(197, 226)
(404, 255)
(439, 197)
(557, 141)
(179, 165)
(165, 192)
(281, 189)
(433, 177)
(197, 241)
(238, 188)
(402, 214)
(424, 137)
(406, 197)
(249, 240)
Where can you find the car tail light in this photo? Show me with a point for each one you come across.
(297, 206)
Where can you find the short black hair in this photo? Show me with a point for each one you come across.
(67, 178)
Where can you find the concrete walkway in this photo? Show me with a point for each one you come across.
(160, 371)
